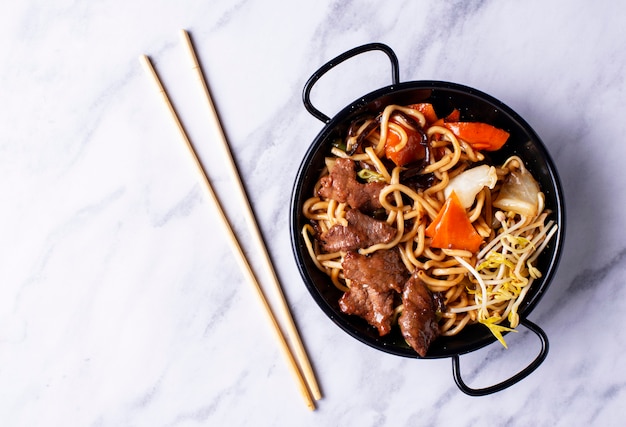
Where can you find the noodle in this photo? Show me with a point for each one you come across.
(486, 286)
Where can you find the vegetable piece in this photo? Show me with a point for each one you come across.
(469, 183)
(495, 328)
(454, 116)
(427, 110)
(452, 229)
(411, 152)
(370, 176)
(520, 193)
(483, 294)
(353, 142)
(481, 136)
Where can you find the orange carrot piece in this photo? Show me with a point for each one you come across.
(481, 136)
(412, 151)
(452, 229)
(454, 116)
(427, 110)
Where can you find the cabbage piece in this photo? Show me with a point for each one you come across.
(370, 176)
(469, 183)
(520, 193)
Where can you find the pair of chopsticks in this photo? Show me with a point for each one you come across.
(298, 362)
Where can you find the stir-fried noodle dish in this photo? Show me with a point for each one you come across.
(420, 231)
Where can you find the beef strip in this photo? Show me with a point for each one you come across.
(362, 231)
(341, 185)
(383, 270)
(375, 307)
(418, 321)
(374, 281)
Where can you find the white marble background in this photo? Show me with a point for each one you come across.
(120, 301)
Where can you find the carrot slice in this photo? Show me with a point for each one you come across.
(412, 151)
(427, 110)
(481, 136)
(452, 229)
(454, 116)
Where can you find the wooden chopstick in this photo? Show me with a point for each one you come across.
(145, 61)
(305, 364)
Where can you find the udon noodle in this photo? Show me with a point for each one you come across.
(485, 285)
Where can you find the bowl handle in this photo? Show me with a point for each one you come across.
(395, 73)
(456, 369)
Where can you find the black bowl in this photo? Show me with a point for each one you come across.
(474, 105)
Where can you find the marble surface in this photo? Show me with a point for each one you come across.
(121, 303)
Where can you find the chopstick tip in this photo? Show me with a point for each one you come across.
(184, 34)
(143, 59)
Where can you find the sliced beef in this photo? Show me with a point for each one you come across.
(366, 302)
(374, 281)
(418, 321)
(383, 270)
(342, 185)
(362, 231)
